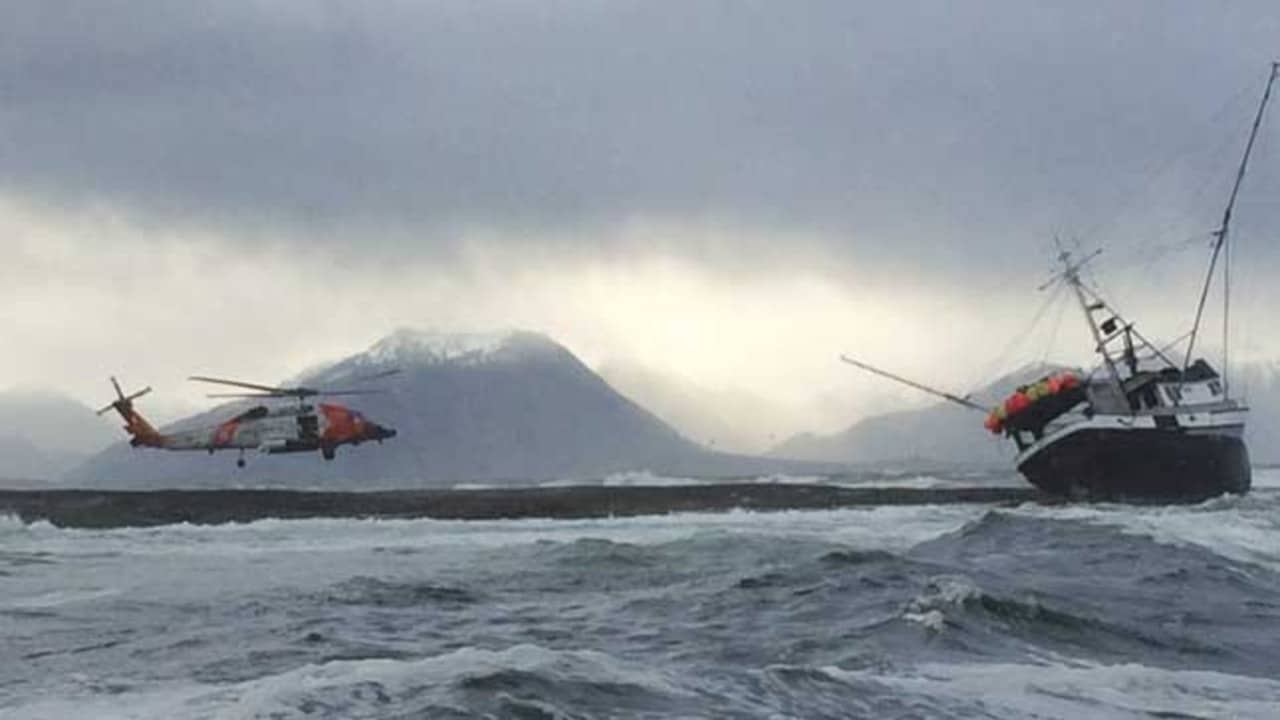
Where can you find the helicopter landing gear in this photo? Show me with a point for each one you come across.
(240, 460)
(327, 452)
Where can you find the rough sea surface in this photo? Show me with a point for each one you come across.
(1087, 611)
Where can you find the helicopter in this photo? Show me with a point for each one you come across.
(303, 427)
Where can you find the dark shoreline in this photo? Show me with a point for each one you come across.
(108, 509)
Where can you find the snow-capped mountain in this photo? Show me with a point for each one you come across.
(411, 347)
(513, 407)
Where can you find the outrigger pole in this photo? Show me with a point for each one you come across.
(962, 401)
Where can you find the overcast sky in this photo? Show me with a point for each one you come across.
(731, 192)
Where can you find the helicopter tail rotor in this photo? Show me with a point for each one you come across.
(124, 403)
(140, 431)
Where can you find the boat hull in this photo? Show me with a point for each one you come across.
(1140, 465)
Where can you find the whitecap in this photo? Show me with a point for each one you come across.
(356, 688)
(1079, 689)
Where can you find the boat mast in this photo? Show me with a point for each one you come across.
(1071, 273)
(1220, 244)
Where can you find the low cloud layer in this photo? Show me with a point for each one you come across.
(732, 192)
(143, 304)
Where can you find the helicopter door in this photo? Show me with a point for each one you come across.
(308, 427)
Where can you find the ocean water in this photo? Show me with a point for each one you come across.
(1085, 611)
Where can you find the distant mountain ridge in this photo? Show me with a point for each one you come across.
(54, 421)
(22, 460)
(505, 408)
(939, 435)
(44, 434)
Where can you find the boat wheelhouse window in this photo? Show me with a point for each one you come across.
(1215, 387)
(1174, 392)
(1199, 370)
(1141, 391)
(1149, 398)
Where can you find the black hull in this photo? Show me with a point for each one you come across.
(1141, 465)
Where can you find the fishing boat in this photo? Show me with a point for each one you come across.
(1143, 425)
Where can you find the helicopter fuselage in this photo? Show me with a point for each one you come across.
(280, 429)
(270, 429)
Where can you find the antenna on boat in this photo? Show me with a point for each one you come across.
(1220, 244)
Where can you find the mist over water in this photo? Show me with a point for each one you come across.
(957, 611)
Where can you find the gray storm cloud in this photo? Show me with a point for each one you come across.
(956, 130)
(732, 192)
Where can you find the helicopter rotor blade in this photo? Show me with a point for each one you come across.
(375, 376)
(271, 391)
(347, 383)
(336, 393)
(240, 384)
(116, 384)
(138, 394)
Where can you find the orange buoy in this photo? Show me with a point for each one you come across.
(1017, 402)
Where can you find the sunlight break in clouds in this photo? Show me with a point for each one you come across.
(92, 293)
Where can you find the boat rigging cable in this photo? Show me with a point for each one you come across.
(1158, 168)
(1053, 332)
(1017, 340)
(1221, 242)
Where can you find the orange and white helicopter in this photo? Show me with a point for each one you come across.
(282, 429)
